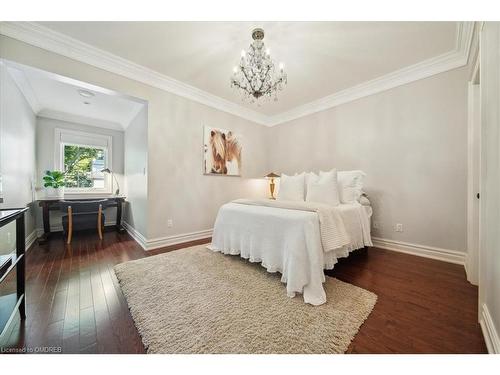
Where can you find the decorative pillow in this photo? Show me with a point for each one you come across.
(309, 176)
(323, 188)
(291, 188)
(350, 185)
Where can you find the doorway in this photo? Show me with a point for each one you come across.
(473, 176)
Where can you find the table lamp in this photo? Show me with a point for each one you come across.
(107, 170)
(271, 176)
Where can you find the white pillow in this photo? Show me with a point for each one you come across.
(323, 188)
(309, 176)
(291, 188)
(350, 185)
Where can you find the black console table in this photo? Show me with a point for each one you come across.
(11, 302)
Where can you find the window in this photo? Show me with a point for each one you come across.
(83, 165)
(82, 157)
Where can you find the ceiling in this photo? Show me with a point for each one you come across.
(321, 58)
(58, 97)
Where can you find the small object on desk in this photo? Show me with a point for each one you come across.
(5, 263)
(107, 170)
(271, 176)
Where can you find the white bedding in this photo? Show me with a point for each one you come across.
(288, 241)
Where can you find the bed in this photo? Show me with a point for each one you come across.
(289, 238)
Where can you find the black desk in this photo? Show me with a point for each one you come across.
(52, 204)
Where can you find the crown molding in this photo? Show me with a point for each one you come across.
(64, 45)
(50, 40)
(456, 58)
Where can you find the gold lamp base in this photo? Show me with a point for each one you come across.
(271, 176)
(271, 188)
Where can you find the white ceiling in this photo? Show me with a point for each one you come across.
(321, 58)
(54, 96)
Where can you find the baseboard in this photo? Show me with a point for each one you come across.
(490, 333)
(31, 239)
(175, 239)
(137, 236)
(156, 243)
(445, 255)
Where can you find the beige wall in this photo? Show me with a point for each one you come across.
(175, 137)
(412, 143)
(178, 188)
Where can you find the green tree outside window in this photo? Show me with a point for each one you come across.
(83, 166)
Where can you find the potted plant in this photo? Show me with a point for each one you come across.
(53, 181)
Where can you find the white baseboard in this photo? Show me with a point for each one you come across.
(30, 239)
(156, 243)
(175, 239)
(138, 237)
(489, 331)
(445, 255)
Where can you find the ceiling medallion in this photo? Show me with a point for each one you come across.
(256, 76)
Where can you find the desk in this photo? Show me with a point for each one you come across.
(52, 204)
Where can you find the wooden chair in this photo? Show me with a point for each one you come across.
(82, 215)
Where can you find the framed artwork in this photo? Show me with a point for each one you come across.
(222, 151)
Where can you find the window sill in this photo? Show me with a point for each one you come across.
(76, 195)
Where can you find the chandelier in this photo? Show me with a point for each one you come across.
(256, 76)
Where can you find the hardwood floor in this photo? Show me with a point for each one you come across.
(75, 305)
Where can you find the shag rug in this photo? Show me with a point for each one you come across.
(197, 301)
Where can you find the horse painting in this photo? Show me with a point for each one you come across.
(222, 149)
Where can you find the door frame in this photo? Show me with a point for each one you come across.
(473, 174)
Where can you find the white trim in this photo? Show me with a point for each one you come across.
(490, 334)
(473, 153)
(427, 68)
(135, 234)
(31, 238)
(64, 45)
(159, 242)
(156, 243)
(445, 255)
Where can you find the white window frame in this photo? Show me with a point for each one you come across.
(87, 138)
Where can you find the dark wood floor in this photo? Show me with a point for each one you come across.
(75, 305)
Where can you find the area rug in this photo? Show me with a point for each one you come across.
(196, 301)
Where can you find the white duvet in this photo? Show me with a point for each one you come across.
(291, 240)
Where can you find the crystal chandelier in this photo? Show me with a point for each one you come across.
(256, 76)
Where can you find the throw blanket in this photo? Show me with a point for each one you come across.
(332, 229)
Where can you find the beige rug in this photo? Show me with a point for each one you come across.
(197, 301)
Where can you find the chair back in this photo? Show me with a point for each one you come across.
(82, 206)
